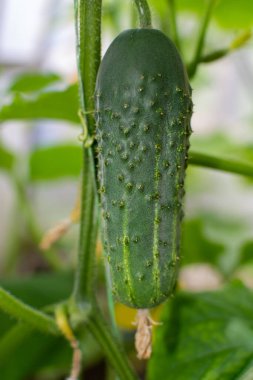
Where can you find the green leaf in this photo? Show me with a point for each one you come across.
(48, 104)
(205, 336)
(29, 82)
(7, 159)
(24, 352)
(37, 291)
(55, 162)
(230, 14)
(234, 14)
(246, 252)
(32, 352)
(196, 246)
(223, 146)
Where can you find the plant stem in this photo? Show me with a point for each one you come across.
(237, 43)
(144, 13)
(201, 38)
(214, 56)
(88, 47)
(173, 23)
(110, 346)
(19, 310)
(84, 280)
(88, 44)
(83, 307)
(218, 163)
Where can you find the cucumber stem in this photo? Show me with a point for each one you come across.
(144, 13)
(25, 313)
(114, 352)
(173, 24)
(218, 163)
(83, 307)
(201, 38)
(84, 277)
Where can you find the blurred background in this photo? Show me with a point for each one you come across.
(40, 154)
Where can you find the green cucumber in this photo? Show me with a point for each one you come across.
(143, 112)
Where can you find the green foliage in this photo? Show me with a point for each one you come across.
(21, 349)
(59, 104)
(55, 162)
(218, 240)
(24, 351)
(7, 159)
(229, 14)
(197, 246)
(205, 336)
(30, 82)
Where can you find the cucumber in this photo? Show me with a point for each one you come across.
(143, 111)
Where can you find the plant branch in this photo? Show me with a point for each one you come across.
(237, 43)
(144, 13)
(218, 163)
(83, 307)
(88, 47)
(117, 358)
(88, 44)
(25, 313)
(201, 38)
(173, 24)
(84, 278)
(214, 56)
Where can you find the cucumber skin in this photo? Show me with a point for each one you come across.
(143, 112)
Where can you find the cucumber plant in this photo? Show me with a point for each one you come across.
(143, 111)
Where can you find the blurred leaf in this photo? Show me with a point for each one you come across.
(54, 162)
(53, 104)
(29, 82)
(34, 353)
(37, 291)
(205, 336)
(231, 14)
(215, 239)
(246, 255)
(7, 159)
(22, 351)
(222, 145)
(196, 246)
(234, 13)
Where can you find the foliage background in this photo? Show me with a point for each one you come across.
(40, 161)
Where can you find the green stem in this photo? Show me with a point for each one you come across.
(218, 163)
(214, 56)
(237, 43)
(83, 304)
(144, 13)
(173, 24)
(19, 310)
(110, 346)
(84, 280)
(88, 47)
(88, 39)
(201, 38)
